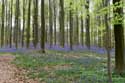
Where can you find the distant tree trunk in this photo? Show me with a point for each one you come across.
(55, 14)
(28, 25)
(119, 41)
(71, 26)
(82, 32)
(16, 30)
(11, 19)
(77, 28)
(61, 20)
(35, 24)
(50, 24)
(6, 22)
(42, 27)
(46, 34)
(87, 23)
(108, 44)
(24, 20)
(19, 25)
(67, 30)
(2, 28)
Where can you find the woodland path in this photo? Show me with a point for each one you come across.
(9, 73)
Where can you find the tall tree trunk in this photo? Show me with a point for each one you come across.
(108, 44)
(28, 25)
(16, 30)
(42, 27)
(119, 40)
(55, 14)
(81, 27)
(6, 23)
(24, 20)
(35, 24)
(87, 23)
(50, 23)
(71, 26)
(11, 21)
(62, 27)
(2, 28)
(77, 29)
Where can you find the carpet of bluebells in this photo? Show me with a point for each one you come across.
(66, 66)
(62, 65)
(78, 48)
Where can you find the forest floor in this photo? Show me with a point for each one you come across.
(9, 73)
(55, 67)
(66, 67)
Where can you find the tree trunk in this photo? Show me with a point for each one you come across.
(87, 23)
(62, 27)
(50, 24)
(71, 27)
(2, 28)
(42, 27)
(28, 25)
(119, 40)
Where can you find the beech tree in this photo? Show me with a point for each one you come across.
(71, 25)
(24, 21)
(2, 28)
(50, 23)
(28, 35)
(35, 24)
(119, 37)
(16, 28)
(61, 22)
(42, 27)
(11, 21)
(87, 24)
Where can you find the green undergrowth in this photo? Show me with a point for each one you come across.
(66, 67)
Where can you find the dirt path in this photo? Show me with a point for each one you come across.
(9, 73)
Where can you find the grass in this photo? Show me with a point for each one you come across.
(66, 67)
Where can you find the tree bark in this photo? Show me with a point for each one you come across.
(119, 41)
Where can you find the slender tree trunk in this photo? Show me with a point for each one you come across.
(71, 27)
(28, 25)
(87, 25)
(108, 44)
(11, 21)
(62, 27)
(77, 29)
(55, 11)
(35, 24)
(50, 23)
(16, 30)
(24, 20)
(42, 27)
(82, 32)
(2, 28)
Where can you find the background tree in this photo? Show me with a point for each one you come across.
(16, 29)
(108, 42)
(28, 35)
(50, 23)
(87, 24)
(2, 27)
(42, 27)
(71, 25)
(35, 24)
(61, 22)
(24, 21)
(11, 21)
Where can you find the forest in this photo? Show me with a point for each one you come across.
(62, 41)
